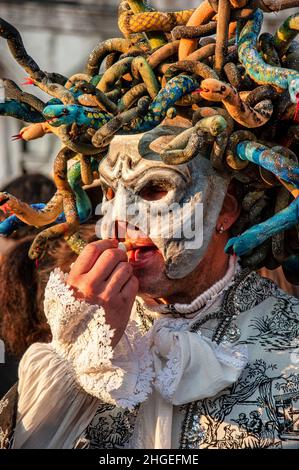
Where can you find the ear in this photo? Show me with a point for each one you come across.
(230, 210)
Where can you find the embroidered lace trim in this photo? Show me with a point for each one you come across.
(168, 377)
(83, 339)
(143, 358)
(122, 377)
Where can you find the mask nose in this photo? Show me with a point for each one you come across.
(120, 230)
(126, 231)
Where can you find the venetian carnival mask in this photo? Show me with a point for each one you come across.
(181, 214)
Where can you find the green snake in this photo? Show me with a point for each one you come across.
(286, 33)
(11, 204)
(187, 144)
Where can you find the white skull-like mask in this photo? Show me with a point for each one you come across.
(194, 191)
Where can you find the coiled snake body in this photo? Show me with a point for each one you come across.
(260, 71)
(167, 97)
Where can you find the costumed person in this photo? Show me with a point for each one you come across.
(163, 335)
(153, 374)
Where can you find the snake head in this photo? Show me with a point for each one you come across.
(84, 87)
(7, 202)
(294, 90)
(58, 115)
(214, 90)
(34, 131)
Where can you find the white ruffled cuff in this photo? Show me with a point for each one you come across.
(122, 376)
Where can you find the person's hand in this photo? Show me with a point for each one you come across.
(102, 275)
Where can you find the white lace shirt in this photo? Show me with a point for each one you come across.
(61, 384)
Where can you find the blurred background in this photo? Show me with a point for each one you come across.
(59, 35)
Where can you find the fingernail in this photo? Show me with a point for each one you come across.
(122, 247)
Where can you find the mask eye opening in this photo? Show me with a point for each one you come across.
(155, 190)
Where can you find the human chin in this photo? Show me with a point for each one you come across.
(148, 268)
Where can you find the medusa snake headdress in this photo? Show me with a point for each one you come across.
(240, 89)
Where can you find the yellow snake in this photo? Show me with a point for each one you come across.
(130, 23)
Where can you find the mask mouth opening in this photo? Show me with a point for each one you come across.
(141, 246)
(141, 250)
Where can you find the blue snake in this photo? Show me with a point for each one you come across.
(259, 233)
(20, 111)
(59, 115)
(175, 89)
(257, 68)
(284, 169)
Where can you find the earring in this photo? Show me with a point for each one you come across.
(220, 229)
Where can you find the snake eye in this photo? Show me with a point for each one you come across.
(65, 111)
(223, 88)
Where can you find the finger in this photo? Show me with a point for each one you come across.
(130, 289)
(118, 278)
(105, 264)
(89, 256)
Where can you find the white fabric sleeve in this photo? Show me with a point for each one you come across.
(189, 366)
(61, 384)
(53, 410)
